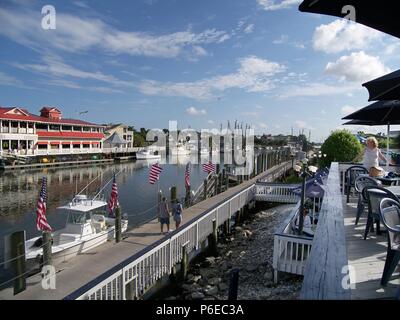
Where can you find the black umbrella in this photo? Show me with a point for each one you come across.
(381, 16)
(377, 114)
(384, 88)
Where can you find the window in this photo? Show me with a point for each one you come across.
(41, 126)
(66, 128)
(86, 146)
(66, 146)
(54, 127)
(77, 128)
(42, 146)
(76, 146)
(86, 129)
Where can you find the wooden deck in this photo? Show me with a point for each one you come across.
(367, 257)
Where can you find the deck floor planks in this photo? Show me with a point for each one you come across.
(367, 257)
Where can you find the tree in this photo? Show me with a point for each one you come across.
(341, 146)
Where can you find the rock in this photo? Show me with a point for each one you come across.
(197, 295)
(229, 253)
(222, 286)
(214, 281)
(186, 287)
(212, 291)
(237, 228)
(171, 298)
(210, 261)
(251, 268)
(206, 273)
(196, 278)
(269, 276)
(190, 278)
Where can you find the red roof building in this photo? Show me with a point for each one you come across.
(25, 133)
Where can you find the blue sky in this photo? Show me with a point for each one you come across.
(146, 62)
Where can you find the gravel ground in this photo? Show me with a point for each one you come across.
(249, 248)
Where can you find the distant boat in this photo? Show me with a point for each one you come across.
(88, 226)
(147, 155)
(180, 150)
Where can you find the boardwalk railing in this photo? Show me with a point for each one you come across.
(275, 192)
(327, 266)
(133, 277)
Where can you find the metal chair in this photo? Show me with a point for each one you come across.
(374, 196)
(390, 215)
(350, 175)
(359, 185)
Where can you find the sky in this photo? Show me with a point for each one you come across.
(201, 63)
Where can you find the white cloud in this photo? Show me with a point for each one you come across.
(357, 67)
(301, 124)
(7, 80)
(316, 90)
(271, 5)
(74, 34)
(196, 112)
(341, 35)
(249, 114)
(262, 125)
(249, 29)
(285, 40)
(253, 75)
(210, 122)
(346, 110)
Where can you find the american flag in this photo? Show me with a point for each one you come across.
(154, 173)
(208, 167)
(187, 175)
(41, 221)
(113, 202)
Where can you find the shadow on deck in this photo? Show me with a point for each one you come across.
(367, 257)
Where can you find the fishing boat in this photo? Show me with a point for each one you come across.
(146, 155)
(88, 226)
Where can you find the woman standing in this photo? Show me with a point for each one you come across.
(372, 154)
(177, 213)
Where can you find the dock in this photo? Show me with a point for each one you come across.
(145, 255)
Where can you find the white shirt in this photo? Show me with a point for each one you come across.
(371, 158)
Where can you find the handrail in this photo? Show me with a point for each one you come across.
(326, 270)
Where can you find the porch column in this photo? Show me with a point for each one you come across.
(1, 126)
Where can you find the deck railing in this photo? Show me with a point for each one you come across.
(276, 192)
(327, 265)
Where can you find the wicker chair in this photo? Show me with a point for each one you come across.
(390, 215)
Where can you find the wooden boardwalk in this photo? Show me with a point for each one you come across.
(80, 270)
(367, 257)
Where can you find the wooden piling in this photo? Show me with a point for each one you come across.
(213, 239)
(17, 257)
(118, 226)
(233, 284)
(174, 193)
(205, 188)
(184, 262)
(47, 244)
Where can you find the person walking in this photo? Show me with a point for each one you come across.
(177, 211)
(164, 214)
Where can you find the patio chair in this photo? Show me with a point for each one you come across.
(350, 177)
(374, 196)
(390, 215)
(359, 185)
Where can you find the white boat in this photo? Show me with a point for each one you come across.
(179, 150)
(88, 226)
(146, 155)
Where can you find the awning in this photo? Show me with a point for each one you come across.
(76, 142)
(95, 143)
(66, 142)
(42, 143)
(54, 143)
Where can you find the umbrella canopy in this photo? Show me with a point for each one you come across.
(359, 123)
(378, 113)
(383, 17)
(384, 88)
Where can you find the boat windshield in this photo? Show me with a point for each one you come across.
(77, 218)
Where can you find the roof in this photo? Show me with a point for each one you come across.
(22, 114)
(115, 139)
(84, 206)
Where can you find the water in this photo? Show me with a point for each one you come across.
(19, 192)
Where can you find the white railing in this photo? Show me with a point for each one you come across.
(151, 264)
(275, 192)
(290, 251)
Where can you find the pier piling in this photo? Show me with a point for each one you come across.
(118, 224)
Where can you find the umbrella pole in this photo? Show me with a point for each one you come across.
(387, 148)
